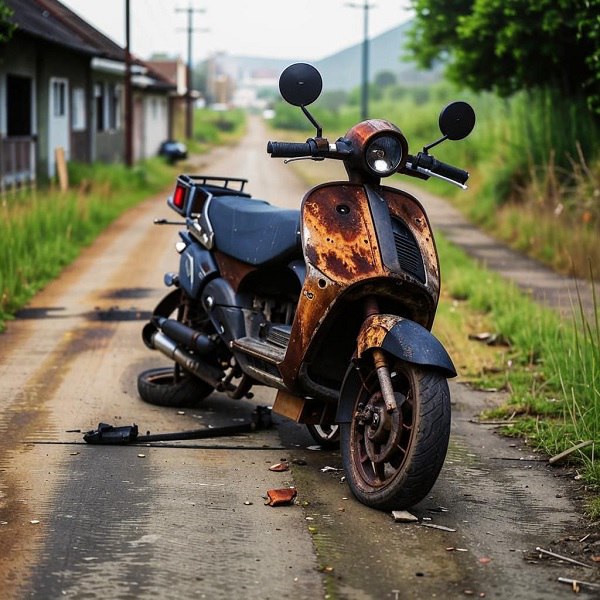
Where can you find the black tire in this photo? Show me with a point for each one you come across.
(163, 388)
(327, 436)
(387, 470)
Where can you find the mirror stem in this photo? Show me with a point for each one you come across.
(312, 120)
(426, 148)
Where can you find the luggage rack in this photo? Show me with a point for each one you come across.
(226, 183)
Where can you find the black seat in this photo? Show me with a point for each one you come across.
(254, 231)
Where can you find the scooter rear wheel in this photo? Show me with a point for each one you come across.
(327, 436)
(392, 460)
(163, 387)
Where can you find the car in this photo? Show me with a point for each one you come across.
(173, 150)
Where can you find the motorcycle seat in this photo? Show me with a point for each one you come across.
(254, 231)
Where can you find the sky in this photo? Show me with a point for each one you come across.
(298, 29)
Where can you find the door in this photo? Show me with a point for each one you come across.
(58, 121)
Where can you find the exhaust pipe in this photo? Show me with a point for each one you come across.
(157, 340)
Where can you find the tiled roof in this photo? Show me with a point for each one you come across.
(55, 23)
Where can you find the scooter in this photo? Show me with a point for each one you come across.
(331, 305)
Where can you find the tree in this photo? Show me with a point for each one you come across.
(385, 79)
(7, 27)
(509, 45)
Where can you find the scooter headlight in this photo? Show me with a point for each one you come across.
(383, 155)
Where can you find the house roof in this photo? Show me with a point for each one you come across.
(54, 22)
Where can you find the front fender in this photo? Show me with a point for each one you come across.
(402, 338)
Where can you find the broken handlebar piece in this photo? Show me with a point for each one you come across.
(128, 434)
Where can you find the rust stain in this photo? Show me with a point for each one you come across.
(373, 332)
(232, 270)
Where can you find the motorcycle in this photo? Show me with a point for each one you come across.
(331, 305)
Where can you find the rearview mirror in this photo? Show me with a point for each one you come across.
(300, 84)
(457, 120)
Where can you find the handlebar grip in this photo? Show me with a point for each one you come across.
(446, 170)
(289, 149)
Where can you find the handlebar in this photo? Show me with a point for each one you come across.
(290, 149)
(424, 164)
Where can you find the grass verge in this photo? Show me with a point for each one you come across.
(549, 366)
(42, 231)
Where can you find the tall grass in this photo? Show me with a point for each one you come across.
(42, 231)
(551, 368)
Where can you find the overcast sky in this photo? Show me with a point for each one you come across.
(300, 29)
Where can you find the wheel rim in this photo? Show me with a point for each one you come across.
(327, 433)
(381, 442)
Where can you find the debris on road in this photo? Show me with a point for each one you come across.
(281, 497)
(575, 583)
(565, 558)
(280, 467)
(328, 469)
(441, 527)
(558, 457)
(403, 516)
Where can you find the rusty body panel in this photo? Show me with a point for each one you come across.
(343, 255)
(373, 332)
(232, 270)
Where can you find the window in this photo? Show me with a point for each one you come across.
(59, 100)
(78, 109)
(114, 106)
(99, 101)
(18, 105)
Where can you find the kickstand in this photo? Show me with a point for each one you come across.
(128, 434)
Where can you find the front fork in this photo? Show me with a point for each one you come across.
(381, 362)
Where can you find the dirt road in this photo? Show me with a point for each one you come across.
(80, 521)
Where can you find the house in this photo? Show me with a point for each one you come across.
(62, 85)
(175, 72)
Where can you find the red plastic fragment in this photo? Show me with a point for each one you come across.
(281, 497)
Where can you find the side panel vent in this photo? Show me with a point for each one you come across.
(409, 255)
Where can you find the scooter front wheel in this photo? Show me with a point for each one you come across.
(392, 460)
(171, 386)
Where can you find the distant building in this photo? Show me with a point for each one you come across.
(62, 85)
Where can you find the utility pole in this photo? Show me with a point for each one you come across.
(189, 120)
(364, 98)
(128, 93)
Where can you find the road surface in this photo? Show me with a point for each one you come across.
(190, 520)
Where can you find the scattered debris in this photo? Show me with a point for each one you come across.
(281, 497)
(484, 560)
(300, 462)
(434, 526)
(575, 583)
(558, 457)
(248, 503)
(313, 447)
(181, 412)
(565, 558)
(327, 469)
(141, 456)
(326, 569)
(403, 516)
(280, 467)
(491, 339)
(74, 453)
(34, 522)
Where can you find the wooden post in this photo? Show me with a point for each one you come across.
(61, 168)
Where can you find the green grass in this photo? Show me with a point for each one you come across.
(43, 231)
(551, 368)
(216, 127)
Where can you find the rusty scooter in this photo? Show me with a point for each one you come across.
(331, 305)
